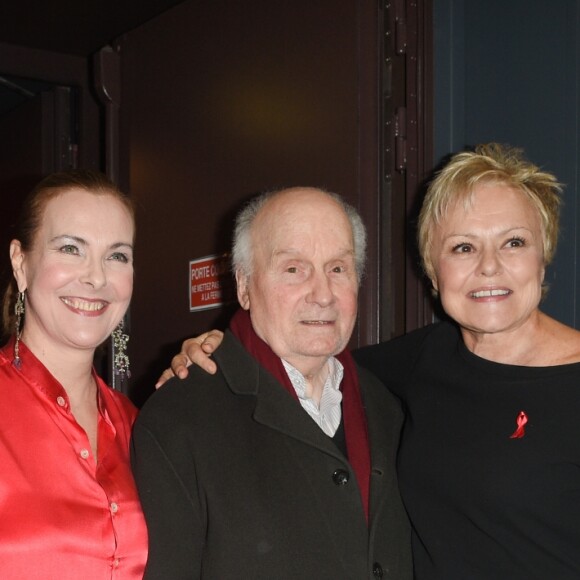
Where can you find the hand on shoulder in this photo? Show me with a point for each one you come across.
(196, 350)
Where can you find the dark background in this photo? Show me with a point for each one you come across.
(193, 106)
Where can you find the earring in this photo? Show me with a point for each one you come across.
(121, 359)
(19, 312)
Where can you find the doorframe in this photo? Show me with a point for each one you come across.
(65, 70)
(396, 145)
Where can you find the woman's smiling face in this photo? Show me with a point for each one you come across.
(488, 260)
(78, 275)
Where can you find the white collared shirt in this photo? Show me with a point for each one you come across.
(327, 416)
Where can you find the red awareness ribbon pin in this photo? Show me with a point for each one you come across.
(521, 421)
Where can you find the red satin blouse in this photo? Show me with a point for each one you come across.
(63, 515)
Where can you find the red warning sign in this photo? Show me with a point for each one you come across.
(210, 282)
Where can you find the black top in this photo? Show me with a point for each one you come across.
(483, 504)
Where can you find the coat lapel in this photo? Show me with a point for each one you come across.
(383, 428)
(275, 408)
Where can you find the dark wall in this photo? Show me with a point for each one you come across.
(221, 100)
(21, 166)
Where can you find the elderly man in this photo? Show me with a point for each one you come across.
(282, 464)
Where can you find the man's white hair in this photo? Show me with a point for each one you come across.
(242, 254)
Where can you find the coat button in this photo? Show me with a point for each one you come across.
(340, 477)
(377, 570)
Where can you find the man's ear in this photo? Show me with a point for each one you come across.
(17, 261)
(243, 290)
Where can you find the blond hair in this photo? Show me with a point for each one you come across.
(489, 163)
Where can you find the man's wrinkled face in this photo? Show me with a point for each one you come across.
(302, 292)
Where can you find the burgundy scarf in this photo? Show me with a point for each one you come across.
(355, 423)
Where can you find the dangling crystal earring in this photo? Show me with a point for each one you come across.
(19, 312)
(121, 359)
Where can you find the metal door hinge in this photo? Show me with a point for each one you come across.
(401, 139)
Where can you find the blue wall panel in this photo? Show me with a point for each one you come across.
(507, 71)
